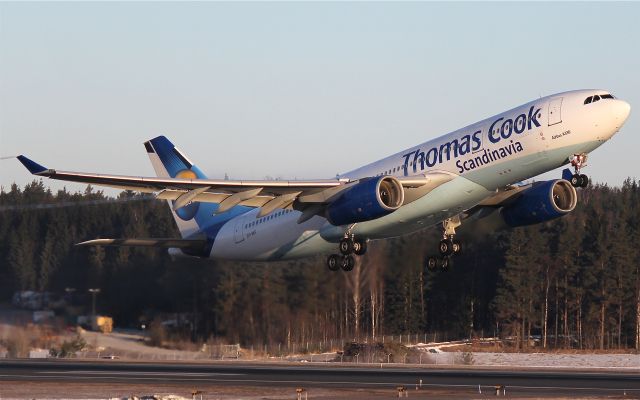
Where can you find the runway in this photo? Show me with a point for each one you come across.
(525, 382)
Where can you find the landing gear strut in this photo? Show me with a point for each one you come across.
(348, 246)
(577, 179)
(447, 247)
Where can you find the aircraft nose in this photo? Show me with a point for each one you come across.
(620, 110)
(624, 109)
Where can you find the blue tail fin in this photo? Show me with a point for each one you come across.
(169, 161)
(195, 218)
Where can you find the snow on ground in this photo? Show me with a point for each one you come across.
(128, 345)
(631, 361)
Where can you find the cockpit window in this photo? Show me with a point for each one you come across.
(593, 99)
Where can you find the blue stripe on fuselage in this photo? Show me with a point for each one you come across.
(211, 224)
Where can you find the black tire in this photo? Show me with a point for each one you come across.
(444, 264)
(457, 247)
(345, 246)
(445, 247)
(333, 262)
(575, 180)
(584, 181)
(348, 263)
(431, 263)
(359, 247)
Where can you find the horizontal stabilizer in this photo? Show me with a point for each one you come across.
(150, 242)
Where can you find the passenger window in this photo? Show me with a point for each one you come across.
(588, 100)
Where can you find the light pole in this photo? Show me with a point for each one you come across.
(69, 291)
(94, 293)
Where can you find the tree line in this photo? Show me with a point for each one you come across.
(570, 283)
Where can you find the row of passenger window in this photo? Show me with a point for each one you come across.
(593, 99)
(267, 218)
(392, 171)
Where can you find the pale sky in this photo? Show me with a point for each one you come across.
(294, 90)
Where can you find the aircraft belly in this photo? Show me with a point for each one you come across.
(465, 192)
(273, 240)
(443, 202)
(286, 239)
(527, 166)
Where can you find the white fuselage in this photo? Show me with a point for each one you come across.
(507, 148)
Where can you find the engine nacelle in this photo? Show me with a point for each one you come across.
(542, 202)
(368, 199)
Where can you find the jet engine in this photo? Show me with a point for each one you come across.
(368, 199)
(542, 202)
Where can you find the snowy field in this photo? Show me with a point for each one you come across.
(532, 360)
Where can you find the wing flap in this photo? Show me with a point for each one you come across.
(207, 197)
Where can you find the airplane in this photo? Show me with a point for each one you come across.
(470, 174)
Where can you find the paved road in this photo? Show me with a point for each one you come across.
(546, 382)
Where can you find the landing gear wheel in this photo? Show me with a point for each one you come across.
(431, 263)
(444, 264)
(457, 246)
(584, 181)
(359, 247)
(445, 247)
(347, 263)
(576, 181)
(346, 246)
(333, 262)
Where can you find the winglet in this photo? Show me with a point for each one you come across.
(32, 166)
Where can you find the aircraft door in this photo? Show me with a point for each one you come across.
(239, 230)
(555, 111)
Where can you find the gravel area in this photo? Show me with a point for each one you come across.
(57, 391)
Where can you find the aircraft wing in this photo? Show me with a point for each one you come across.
(267, 194)
(150, 242)
(503, 196)
(155, 184)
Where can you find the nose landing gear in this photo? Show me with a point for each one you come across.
(577, 179)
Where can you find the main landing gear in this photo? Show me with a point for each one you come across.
(447, 247)
(577, 179)
(348, 246)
